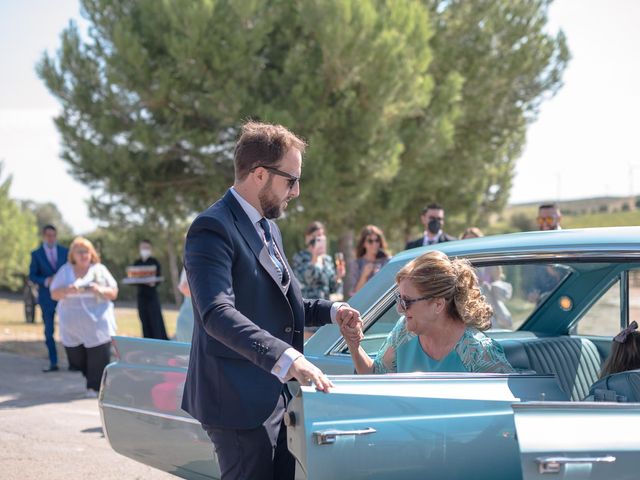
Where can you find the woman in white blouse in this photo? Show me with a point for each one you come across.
(85, 291)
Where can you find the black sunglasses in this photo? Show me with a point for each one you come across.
(291, 179)
(372, 240)
(405, 303)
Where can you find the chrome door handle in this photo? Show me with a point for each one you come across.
(327, 437)
(554, 464)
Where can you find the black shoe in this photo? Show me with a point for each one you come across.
(73, 368)
(52, 368)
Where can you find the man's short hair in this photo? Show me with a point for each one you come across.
(145, 240)
(548, 205)
(48, 226)
(432, 206)
(262, 144)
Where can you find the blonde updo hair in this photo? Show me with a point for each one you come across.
(435, 275)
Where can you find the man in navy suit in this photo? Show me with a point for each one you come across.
(249, 312)
(45, 262)
(433, 220)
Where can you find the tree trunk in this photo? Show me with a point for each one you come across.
(173, 267)
(346, 246)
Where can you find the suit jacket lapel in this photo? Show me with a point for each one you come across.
(249, 233)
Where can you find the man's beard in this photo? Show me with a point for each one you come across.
(270, 205)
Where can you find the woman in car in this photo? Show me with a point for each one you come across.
(441, 331)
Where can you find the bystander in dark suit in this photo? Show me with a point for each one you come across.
(248, 310)
(45, 262)
(433, 220)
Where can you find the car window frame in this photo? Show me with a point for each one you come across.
(388, 298)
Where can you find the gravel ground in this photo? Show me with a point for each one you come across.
(48, 430)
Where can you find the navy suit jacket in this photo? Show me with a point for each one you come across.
(418, 241)
(40, 269)
(244, 319)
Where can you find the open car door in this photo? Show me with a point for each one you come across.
(140, 408)
(406, 426)
(578, 440)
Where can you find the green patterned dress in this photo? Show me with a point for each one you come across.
(316, 280)
(474, 352)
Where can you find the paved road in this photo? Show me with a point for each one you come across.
(48, 430)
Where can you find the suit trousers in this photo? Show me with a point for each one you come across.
(260, 453)
(90, 361)
(48, 318)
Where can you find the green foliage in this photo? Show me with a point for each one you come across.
(18, 236)
(48, 214)
(521, 222)
(494, 63)
(402, 102)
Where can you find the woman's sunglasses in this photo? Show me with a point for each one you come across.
(372, 240)
(403, 304)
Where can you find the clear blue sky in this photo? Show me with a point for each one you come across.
(585, 143)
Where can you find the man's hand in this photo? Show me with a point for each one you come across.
(350, 323)
(306, 373)
(349, 315)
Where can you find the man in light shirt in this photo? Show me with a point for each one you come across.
(45, 262)
(249, 312)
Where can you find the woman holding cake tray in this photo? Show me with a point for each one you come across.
(85, 290)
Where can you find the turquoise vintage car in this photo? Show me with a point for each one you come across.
(559, 297)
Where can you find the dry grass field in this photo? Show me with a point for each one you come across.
(23, 338)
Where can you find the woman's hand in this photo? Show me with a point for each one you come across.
(96, 289)
(367, 270)
(71, 290)
(352, 333)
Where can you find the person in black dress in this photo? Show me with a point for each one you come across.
(149, 308)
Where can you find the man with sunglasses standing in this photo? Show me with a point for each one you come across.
(249, 312)
(433, 220)
(549, 217)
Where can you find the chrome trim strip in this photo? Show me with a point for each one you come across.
(580, 255)
(624, 299)
(553, 465)
(577, 406)
(328, 437)
(165, 416)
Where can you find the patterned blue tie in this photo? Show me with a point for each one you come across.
(273, 252)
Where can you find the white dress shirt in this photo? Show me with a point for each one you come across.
(290, 355)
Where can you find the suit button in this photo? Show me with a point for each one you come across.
(288, 330)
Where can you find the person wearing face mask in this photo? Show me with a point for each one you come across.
(433, 220)
(149, 308)
(45, 262)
